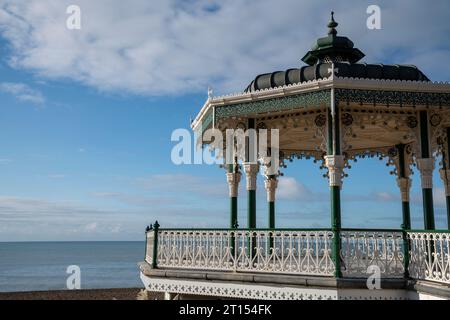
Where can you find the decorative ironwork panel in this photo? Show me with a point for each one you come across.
(310, 99)
(377, 97)
(288, 252)
(207, 121)
(429, 256)
(362, 249)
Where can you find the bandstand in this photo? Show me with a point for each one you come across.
(335, 110)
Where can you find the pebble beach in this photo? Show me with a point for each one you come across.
(87, 294)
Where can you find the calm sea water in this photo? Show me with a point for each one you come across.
(30, 266)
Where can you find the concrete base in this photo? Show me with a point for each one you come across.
(194, 284)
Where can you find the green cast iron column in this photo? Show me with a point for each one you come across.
(251, 172)
(334, 148)
(404, 184)
(445, 162)
(271, 214)
(271, 222)
(406, 214)
(427, 193)
(233, 201)
(271, 184)
(251, 205)
(251, 221)
(233, 209)
(233, 177)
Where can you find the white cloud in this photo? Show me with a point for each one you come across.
(22, 92)
(91, 227)
(290, 189)
(115, 228)
(172, 46)
(384, 196)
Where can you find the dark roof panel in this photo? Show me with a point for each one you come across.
(339, 51)
(344, 70)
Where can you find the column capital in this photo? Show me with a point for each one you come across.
(426, 167)
(271, 184)
(405, 186)
(335, 165)
(233, 179)
(251, 171)
(445, 176)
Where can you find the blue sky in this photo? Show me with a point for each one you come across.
(86, 116)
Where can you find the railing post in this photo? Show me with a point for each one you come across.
(406, 246)
(155, 245)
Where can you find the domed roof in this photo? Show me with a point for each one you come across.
(333, 48)
(341, 52)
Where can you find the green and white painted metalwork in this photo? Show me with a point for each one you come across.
(305, 252)
(361, 249)
(430, 255)
(321, 112)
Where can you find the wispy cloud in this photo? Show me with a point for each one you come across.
(134, 199)
(91, 227)
(187, 184)
(5, 160)
(19, 207)
(23, 92)
(57, 176)
(173, 46)
(24, 218)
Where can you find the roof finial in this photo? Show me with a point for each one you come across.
(332, 25)
(210, 92)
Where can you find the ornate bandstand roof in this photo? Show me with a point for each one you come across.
(378, 103)
(340, 51)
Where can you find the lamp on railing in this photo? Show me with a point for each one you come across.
(155, 245)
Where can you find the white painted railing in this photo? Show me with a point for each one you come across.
(430, 256)
(288, 252)
(363, 249)
(304, 252)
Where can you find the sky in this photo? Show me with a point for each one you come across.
(86, 116)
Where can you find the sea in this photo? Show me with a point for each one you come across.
(33, 266)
